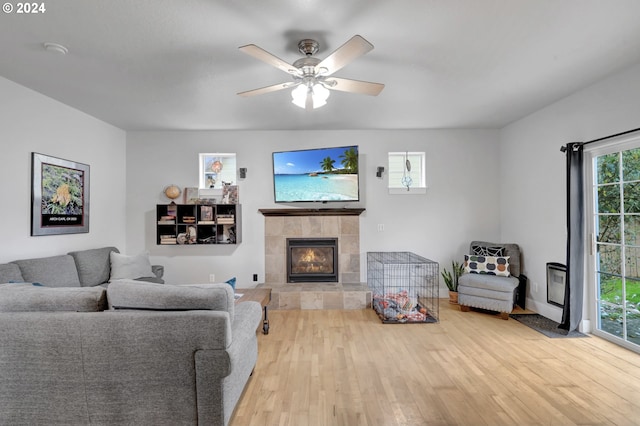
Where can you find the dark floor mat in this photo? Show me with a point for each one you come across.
(545, 326)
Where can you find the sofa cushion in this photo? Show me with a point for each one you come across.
(26, 297)
(489, 282)
(10, 272)
(490, 265)
(55, 271)
(130, 267)
(130, 294)
(94, 265)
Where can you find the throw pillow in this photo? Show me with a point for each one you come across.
(129, 267)
(489, 265)
(10, 272)
(488, 251)
(232, 283)
(41, 270)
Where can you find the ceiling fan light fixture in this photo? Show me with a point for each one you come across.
(319, 95)
(312, 77)
(299, 95)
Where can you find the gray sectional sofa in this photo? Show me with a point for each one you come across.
(83, 268)
(130, 352)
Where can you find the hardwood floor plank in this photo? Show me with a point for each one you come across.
(343, 367)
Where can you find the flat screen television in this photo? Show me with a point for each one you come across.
(316, 175)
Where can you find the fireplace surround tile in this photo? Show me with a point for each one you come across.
(350, 244)
(349, 225)
(289, 300)
(355, 300)
(275, 226)
(333, 300)
(311, 300)
(311, 225)
(315, 296)
(330, 226)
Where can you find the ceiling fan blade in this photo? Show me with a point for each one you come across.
(354, 86)
(268, 89)
(263, 55)
(356, 46)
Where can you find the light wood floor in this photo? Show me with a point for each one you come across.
(344, 367)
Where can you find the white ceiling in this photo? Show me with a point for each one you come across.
(175, 64)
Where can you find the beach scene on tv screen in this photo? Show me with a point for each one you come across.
(326, 174)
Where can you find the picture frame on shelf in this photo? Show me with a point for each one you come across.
(191, 195)
(59, 196)
(230, 194)
(206, 213)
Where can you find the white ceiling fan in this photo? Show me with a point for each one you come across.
(312, 77)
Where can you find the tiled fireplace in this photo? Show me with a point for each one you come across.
(343, 225)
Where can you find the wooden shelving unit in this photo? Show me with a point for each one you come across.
(197, 224)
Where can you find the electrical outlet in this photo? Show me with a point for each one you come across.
(255, 277)
(212, 278)
(380, 227)
(535, 287)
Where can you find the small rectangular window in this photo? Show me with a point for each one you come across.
(407, 173)
(216, 170)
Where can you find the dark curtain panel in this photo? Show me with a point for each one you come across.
(574, 289)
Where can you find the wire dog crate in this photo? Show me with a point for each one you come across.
(404, 286)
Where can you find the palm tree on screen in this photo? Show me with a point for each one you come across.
(327, 164)
(350, 160)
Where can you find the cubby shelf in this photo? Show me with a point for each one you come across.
(197, 224)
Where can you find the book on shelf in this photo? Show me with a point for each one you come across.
(206, 222)
(168, 239)
(226, 219)
(167, 219)
(188, 219)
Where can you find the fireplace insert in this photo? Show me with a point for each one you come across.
(312, 260)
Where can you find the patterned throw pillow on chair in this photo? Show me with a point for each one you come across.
(488, 250)
(489, 265)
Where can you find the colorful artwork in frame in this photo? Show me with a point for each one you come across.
(59, 196)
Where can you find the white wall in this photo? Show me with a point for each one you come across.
(459, 205)
(31, 122)
(533, 170)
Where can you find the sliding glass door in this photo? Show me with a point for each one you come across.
(615, 236)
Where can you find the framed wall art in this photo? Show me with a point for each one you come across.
(59, 196)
